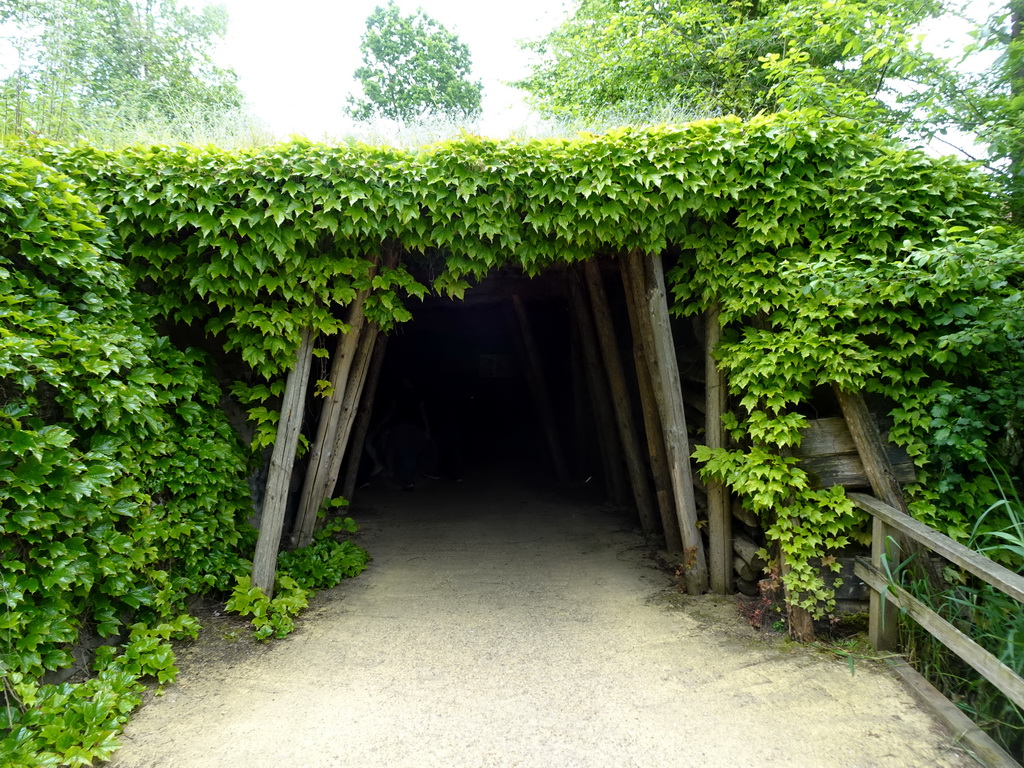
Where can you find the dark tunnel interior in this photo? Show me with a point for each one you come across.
(458, 368)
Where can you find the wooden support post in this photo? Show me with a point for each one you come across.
(275, 500)
(318, 481)
(652, 421)
(801, 625)
(538, 384)
(882, 614)
(362, 425)
(621, 402)
(669, 396)
(719, 514)
(611, 450)
(881, 476)
(319, 485)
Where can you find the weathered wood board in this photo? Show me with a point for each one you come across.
(828, 453)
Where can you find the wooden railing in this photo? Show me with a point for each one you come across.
(889, 525)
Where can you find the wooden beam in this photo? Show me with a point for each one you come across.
(362, 425)
(846, 470)
(320, 486)
(719, 513)
(282, 459)
(611, 450)
(983, 662)
(581, 410)
(984, 568)
(668, 393)
(361, 367)
(882, 618)
(828, 453)
(965, 731)
(652, 421)
(319, 481)
(881, 476)
(871, 447)
(538, 384)
(621, 401)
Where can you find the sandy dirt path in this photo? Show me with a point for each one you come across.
(509, 627)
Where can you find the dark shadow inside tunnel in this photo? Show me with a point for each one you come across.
(460, 373)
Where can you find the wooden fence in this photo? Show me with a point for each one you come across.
(890, 525)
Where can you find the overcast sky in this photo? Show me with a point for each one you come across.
(295, 58)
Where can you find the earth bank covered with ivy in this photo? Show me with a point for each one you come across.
(837, 258)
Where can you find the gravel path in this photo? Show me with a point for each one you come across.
(509, 627)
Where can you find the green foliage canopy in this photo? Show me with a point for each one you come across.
(413, 67)
(708, 57)
(836, 256)
(256, 245)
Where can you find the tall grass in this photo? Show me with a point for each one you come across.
(196, 125)
(411, 134)
(993, 619)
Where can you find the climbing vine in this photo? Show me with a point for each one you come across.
(258, 244)
(837, 259)
(122, 486)
(918, 330)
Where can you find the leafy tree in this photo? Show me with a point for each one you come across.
(78, 59)
(413, 67)
(860, 59)
(710, 57)
(989, 101)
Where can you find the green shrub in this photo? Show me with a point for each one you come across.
(122, 485)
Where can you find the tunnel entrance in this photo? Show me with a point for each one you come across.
(568, 379)
(466, 364)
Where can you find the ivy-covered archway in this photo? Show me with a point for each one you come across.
(259, 247)
(819, 258)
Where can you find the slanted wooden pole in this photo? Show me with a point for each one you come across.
(719, 514)
(621, 402)
(608, 440)
(581, 408)
(669, 395)
(652, 421)
(538, 384)
(871, 448)
(361, 368)
(318, 480)
(882, 478)
(275, 500)
(362, 425)
(320, 486)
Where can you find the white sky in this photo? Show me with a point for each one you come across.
(295, 59)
